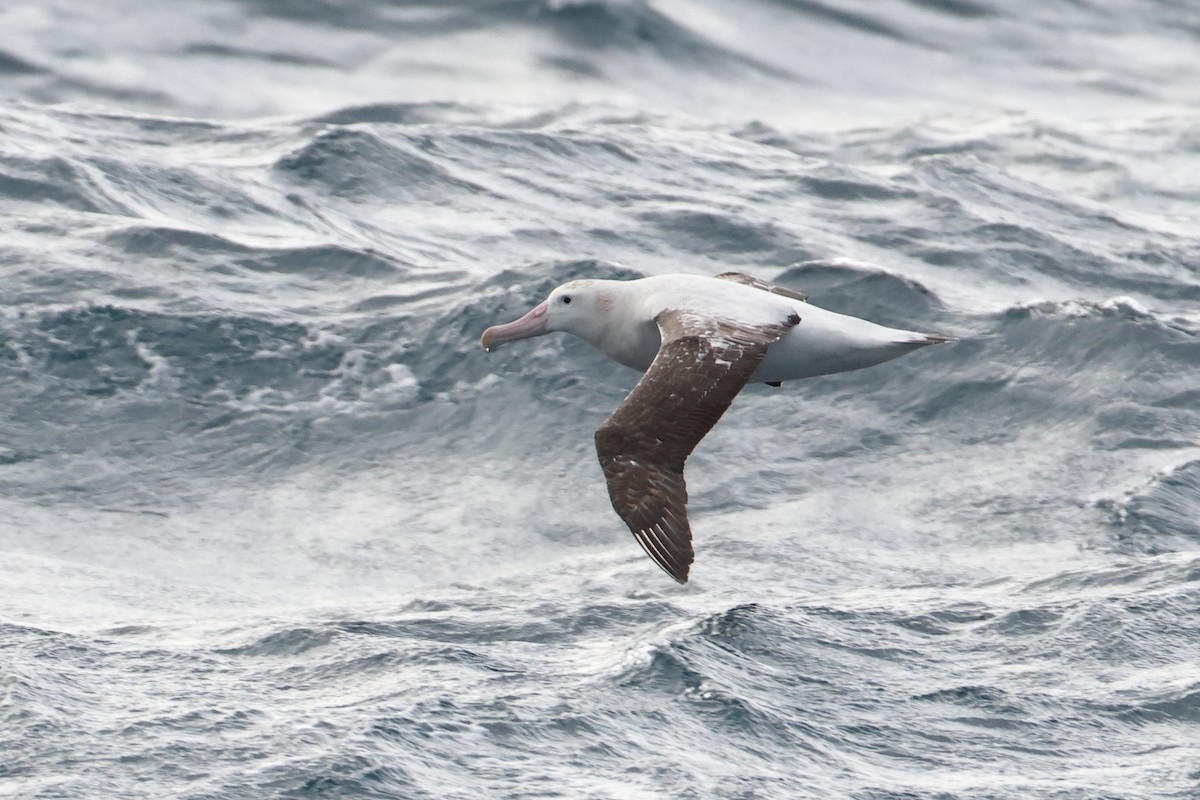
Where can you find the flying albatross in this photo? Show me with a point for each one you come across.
(698, 340)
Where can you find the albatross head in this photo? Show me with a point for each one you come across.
(578, 307)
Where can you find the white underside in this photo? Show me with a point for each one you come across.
(823, 342)
(826, 342)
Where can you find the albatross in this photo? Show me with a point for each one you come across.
(698, 340)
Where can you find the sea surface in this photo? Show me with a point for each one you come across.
(272, 525)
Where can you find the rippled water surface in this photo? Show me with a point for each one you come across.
(273, 525)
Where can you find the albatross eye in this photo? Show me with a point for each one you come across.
(566, 300)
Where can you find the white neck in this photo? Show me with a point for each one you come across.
(623, 331)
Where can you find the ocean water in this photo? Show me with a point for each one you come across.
(273, 525)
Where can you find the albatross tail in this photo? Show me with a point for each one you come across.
(930, 338)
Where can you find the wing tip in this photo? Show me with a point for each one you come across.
(758, 283)
(678, 572)
(675, 562)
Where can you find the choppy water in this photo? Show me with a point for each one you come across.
(272, 525)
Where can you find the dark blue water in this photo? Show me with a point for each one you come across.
(273, 525)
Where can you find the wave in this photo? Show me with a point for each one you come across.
(259, 482)
(1163, 516)
(781, 59)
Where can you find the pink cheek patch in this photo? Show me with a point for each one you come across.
(603, 303)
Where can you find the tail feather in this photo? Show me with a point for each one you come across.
(936, 338)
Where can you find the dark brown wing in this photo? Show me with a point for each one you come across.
(700, 367)
(758, 283)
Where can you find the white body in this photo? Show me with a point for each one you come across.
(823, 342)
